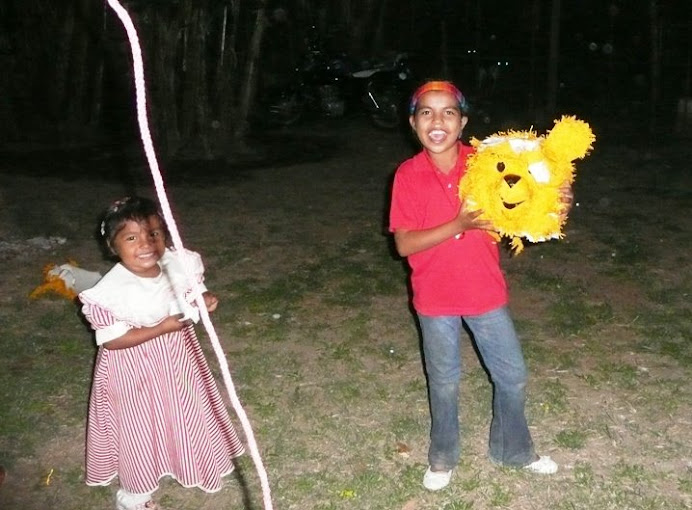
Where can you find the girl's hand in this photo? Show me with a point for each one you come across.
(211, 301)
(173, 323)
(137, 336)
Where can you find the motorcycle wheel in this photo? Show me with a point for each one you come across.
(286, 110)
(388, 113)
(386, 119)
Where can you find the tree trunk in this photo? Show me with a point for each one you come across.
(162, 79)
(553, 58)
(249, 85)
(533, 55)
(655, 65)
(360, 28)
(193, 112)
(76, 96)
(96, 107)
(446, 13)
(378, 39)
(226, 68)
(477, 31)
(683, 119)
(219, 75)
(62, 62)
(444, 48)
(8, 58)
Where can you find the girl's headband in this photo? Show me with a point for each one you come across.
(441, 86)
(112, 209)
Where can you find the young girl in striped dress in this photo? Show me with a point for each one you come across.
(154, 408)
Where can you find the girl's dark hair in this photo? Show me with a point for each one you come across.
(127, 209)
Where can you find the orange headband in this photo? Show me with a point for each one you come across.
(442, 86)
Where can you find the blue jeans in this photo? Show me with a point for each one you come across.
(494, 335)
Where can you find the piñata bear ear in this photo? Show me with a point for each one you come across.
(569, 139)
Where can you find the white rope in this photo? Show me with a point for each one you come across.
(178, 243)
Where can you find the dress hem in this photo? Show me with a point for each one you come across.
(196, 486)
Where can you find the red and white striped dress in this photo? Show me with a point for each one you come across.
(155, 409)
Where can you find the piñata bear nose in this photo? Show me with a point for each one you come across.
(511, 180)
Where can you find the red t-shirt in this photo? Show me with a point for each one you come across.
(458, 276)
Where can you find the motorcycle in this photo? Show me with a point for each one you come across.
(387, 89)
(317, 86)
(326, 85)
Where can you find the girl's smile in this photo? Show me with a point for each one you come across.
(140, 245)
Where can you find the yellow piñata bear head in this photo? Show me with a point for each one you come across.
(515, 178)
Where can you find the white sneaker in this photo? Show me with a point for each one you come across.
(543, 466)
(436, 480)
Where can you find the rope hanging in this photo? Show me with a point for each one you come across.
(145, 134)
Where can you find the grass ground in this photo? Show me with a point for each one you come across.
(315, 322)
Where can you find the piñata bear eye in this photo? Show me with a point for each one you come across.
(500, 167)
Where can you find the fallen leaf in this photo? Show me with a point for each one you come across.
(402, 448)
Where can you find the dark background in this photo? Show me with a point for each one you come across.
(66, 67)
